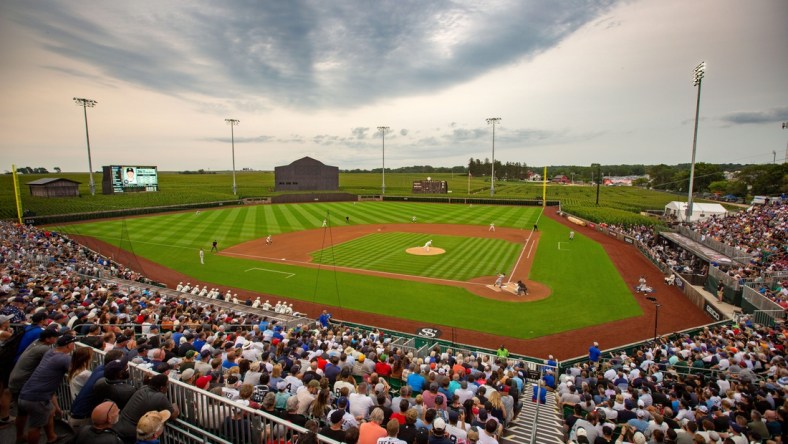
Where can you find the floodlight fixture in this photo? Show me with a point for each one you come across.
(233, 123)
(85, 104)
(493, 121)
(383, 130)
(699, 72)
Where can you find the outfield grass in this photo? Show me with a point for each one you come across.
(580, 277)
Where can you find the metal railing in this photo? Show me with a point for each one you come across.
(205, 417)
(766, 311)
(728, 250)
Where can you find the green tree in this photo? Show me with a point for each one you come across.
(661, 176)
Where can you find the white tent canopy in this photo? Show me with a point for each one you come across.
(700, 211)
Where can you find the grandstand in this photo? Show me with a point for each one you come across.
(728, 378)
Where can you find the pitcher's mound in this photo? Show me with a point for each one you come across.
(420, 251)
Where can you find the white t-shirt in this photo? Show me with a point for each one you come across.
(390, 440)
(359, 405)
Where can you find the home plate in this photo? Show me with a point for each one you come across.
(494, 288)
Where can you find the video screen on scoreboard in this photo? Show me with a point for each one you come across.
(129, 179)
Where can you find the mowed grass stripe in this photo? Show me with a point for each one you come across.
(386, 252)
(308, 216)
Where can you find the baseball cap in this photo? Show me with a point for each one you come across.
(439, 424)
(150, 423)
(281, 385)
(190, 354)
(65, 340)
(337, 416)
(187, 374)
(205, 353)
(112, 369)
(203, 381)
(703, 408)
(454, 416)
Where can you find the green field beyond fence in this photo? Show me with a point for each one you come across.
(579, 276)
(621, 203)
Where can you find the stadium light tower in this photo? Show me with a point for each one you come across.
(233, 123)
(700, 70)
(85, 104)
(493, 121)
(785, 125)
(656, 313)
(383, 130)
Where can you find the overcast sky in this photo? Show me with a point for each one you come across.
(574, 82)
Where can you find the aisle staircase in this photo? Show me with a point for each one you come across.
(548, 426)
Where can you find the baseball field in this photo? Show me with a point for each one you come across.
(358, 261)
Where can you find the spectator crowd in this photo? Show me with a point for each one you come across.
(60, 308)
(723, 383)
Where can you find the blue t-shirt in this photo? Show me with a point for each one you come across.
(31, 335)
(594, 353)
(46, 379)
(416, 382)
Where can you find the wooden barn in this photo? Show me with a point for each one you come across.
(54, 187)
(306, 174)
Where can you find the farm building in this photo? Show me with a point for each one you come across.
(700, 211)
(306, 174)
(54, 187)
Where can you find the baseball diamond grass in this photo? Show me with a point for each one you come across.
(465, 257)
(579, 273)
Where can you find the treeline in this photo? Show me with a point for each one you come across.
(736, 179)
(413, 169)
(200, 171)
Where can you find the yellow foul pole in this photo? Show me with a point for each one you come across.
(544, 188)
(16, 194)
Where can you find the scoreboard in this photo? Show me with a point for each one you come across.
(129, 179)
(430, 186)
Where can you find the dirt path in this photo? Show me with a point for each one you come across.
(676, 312)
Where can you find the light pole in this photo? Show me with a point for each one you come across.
(233, 123)
(383, 130)
(85, 103)
(700, 70)
(493, 121)
(656, 314)
(785, 125)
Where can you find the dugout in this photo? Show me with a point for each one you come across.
(54, 187)
(306, 174)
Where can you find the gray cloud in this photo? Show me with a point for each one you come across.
(403, 132)
(773, 115)
(359, 132)
(304, 54)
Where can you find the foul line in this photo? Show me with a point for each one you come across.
(355, 270)
(272, 271)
